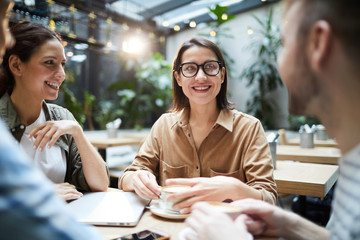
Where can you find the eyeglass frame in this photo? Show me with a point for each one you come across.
(202, 66)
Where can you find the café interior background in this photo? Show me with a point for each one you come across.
(119, 54)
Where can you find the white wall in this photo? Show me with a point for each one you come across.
(239, 50)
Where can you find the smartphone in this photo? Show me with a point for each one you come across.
(148, 234)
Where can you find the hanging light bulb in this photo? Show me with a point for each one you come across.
(165, 24)
(192, 24)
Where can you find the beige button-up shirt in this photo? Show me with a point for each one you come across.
(235, 147)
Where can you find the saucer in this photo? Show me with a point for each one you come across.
(166, 214)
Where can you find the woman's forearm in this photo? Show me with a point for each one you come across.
(94, 167)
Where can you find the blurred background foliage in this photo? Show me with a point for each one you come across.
(262, 74)
(138, 101)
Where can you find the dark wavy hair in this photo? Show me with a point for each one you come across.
(180, 101)
(29, 37)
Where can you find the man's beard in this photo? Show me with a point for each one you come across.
(305, 88)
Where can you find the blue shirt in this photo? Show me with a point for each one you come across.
(29, 208)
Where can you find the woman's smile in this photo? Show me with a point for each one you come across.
(53, 85)
(201, 89)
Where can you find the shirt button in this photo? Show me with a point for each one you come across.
(180, 122)
(13, 129)
(22, 126)
(189, 134)
(197, 167)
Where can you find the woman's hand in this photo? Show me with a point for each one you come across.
(50, 131)
(67, 191)
(209, 223)
(144, 183)
(208, 189)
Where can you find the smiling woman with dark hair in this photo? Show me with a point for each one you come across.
(203, 142)
(49, 134)
(28, 205)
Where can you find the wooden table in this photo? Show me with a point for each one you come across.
(323, 155)
(103, 142)
(148, 220)
(317, 143)
(308, 179)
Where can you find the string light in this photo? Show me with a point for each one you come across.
(224, 16)
(162, 39)
(192, 24)
(176, 28)
(250, 31)
(151, 35)
(213, 33)
(125, 27)
(165, 24)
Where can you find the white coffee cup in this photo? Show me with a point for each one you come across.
(167, 191)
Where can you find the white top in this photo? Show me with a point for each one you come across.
(345, 222)
(52, 162)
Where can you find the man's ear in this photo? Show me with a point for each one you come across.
(320, 40)
(15, 65)
(177, 77)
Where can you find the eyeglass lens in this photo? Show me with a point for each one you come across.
(210, 68)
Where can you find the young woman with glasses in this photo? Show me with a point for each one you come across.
(203, 142)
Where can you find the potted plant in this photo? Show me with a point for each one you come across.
(141, 100)
(262, 72)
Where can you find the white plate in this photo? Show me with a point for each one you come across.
(165, 214)
(188, 230)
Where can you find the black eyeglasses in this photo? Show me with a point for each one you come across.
(210, 68)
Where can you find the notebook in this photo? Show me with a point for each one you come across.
(109, 208)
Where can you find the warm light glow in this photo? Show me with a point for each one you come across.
(125, 27)
(263, 0)
(224, 16)
(176, 28)
(133, 45)
(192, 24)
(165, 23)
(109, 44)
(250, 31)
(213, 33)
(162, 39)
(69, 54)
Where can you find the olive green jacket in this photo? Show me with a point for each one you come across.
(74, 172)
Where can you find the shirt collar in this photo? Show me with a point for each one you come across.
(225, 119)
